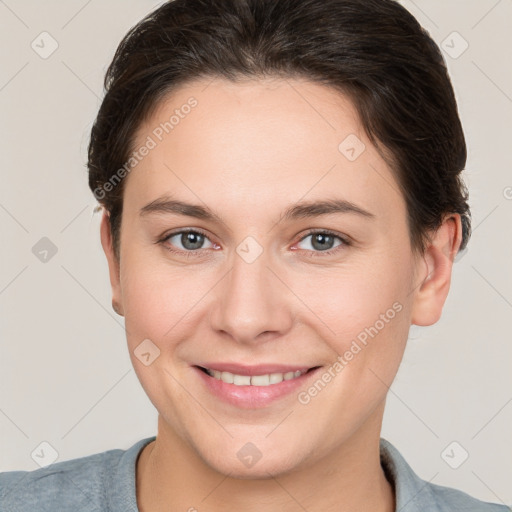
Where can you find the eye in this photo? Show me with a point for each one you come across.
(323, 242)
(187, 241)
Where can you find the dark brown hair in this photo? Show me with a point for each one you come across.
(374, 51)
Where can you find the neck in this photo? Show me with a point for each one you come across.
(171, 475)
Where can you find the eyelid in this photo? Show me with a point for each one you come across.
(315, 231)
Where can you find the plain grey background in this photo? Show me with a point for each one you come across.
(66, 376)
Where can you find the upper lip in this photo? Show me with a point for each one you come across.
(258, 369)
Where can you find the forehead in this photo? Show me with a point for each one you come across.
(253, 143)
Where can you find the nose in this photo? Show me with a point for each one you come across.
(252, 303)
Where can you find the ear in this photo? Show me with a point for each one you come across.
(113, 263)
(435, 271)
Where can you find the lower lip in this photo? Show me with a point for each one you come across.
(252, 397)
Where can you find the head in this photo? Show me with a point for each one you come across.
(253, 111)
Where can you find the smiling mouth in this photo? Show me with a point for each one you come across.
(254, 380)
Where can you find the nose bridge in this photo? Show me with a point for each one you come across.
(251, 299)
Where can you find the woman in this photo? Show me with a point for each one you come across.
(281, 195)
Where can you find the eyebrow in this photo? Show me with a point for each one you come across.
(302, 210)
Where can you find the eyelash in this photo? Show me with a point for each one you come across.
(194, 253)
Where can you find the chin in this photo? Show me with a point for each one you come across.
(246, 462)
(259, 471)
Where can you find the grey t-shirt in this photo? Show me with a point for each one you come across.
(106, 482)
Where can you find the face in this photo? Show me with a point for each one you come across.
(256, 275)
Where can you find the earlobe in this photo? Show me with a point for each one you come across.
(113, 263)
(436, 270)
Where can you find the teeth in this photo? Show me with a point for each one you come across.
(254, 380)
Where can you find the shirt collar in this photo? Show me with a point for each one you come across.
(412, 494)
(120, 480)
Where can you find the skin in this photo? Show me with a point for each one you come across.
(248, 151)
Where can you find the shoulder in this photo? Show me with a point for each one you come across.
(85, 484)
(414, 494)
(72, 484)
(449, 499)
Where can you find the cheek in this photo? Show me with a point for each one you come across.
(362, 311)
(159, 305)
(158, 302)
(355, 296)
